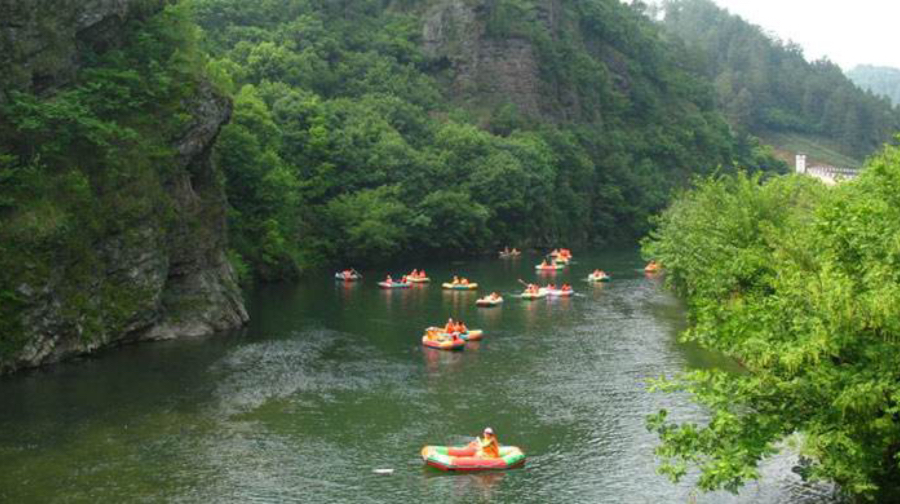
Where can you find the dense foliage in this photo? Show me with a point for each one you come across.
(883, 81)
(801, 284)
(87, 162)
(349, 143)
(764, 84)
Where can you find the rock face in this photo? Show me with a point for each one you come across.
(164, 273)
(40, 40)
(492, 68)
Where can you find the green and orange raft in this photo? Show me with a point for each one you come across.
(448, 458)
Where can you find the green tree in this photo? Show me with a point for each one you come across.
(799, 284)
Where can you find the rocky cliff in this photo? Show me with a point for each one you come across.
(493, 68)
(159, 272)
(41, 40)
(508, 52)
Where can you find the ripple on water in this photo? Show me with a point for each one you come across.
(327, 385)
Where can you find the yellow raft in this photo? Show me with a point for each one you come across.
(452, 286)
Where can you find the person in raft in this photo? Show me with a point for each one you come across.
(494, 296)
(389, 280)
(544, 264)
(404, 279)
(488, 446)
(414, 274)
(566, 288)
(422, 274)
(455, 280)
(453, 329)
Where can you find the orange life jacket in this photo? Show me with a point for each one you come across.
(489, 447)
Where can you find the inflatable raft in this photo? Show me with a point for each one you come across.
(352, 277)
(469, 286)
(419, 280)
(549, 267)
(534, 295)
(560, 293)
(598, 278)
(447, 344)
(394, 285)
(448, 458)
(509, 255)
(487, 302)
(472, 335)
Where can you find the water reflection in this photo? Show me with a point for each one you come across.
(481, 485)
(326, 383)
(562, 304)
(459, 300)
(535, 310)
(346, 290)
(439, 361)
(397, 301)
(491, 316)
(596, 290)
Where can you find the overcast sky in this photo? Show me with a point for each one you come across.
(848, 32)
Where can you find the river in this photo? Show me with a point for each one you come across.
(329, 382)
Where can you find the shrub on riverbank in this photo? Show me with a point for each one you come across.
(801, 284)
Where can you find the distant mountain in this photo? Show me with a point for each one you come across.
(884, 81)
(767, 86)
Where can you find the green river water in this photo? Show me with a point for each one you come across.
(329, 382)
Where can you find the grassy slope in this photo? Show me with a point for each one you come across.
(818, 150)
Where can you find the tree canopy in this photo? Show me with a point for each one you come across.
(351, 142)
(801, 285)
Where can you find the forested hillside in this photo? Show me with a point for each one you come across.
(367, 129)
(883, 81)
(766, 85)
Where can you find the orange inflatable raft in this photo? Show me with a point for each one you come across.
(444, 344)
(448, 458)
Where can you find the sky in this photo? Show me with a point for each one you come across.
(848, 32)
